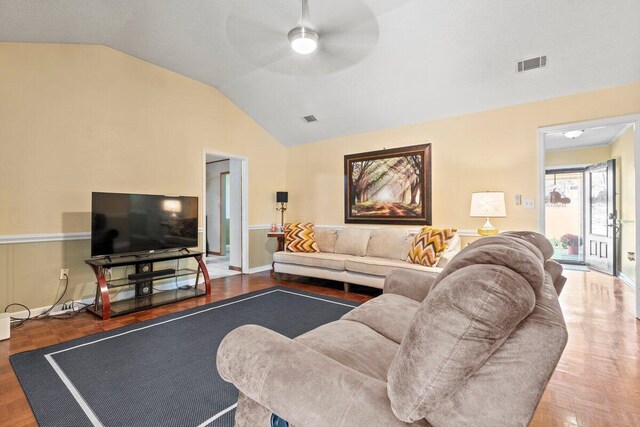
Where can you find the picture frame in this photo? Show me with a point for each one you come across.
(391, 186)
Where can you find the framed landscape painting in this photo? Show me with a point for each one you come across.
(389, 186)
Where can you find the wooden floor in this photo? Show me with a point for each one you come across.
(597, 382)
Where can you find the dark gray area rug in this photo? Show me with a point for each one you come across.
(160, 372)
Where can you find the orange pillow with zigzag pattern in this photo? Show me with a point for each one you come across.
(429, 245)
(300, 237)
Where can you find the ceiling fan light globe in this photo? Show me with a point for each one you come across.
(303, 40)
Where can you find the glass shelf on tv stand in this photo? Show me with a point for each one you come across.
(157, 298)
(117, 283)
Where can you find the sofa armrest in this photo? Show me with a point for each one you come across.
(409, 283)
(299, 384)
(445, 258)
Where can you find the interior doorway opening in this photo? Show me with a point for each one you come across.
(224, 205)
(607, 153)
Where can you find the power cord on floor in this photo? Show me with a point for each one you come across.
(73, 312)
(19, 321)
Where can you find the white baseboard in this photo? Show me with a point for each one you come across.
(627, 280)
(259, 269)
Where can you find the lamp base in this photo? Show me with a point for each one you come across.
(488, 229)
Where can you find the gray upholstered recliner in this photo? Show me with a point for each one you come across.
(474, 345)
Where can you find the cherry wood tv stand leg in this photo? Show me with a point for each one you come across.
(102, 293)
(205, 274)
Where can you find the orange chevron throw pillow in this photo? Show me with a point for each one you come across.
(429, 245)
(300, 237)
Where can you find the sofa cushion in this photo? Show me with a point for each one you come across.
(429, 245)
(382, 266)
(353, 344)
(318, 259)
(300, 237)
(387, 243)
(326, 239)
(353, 241)
(388, 314)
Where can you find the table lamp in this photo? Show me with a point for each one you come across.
(488, 204)
(282, 197)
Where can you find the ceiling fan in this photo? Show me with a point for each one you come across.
(305, 37)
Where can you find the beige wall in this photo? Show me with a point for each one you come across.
(261, 247)
(622, 150)
(583, 156)
(77, 119)
(492, 150)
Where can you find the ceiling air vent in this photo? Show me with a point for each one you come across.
(532, 64)
(310, 118)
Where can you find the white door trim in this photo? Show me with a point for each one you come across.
(633, 119)
(244, 200)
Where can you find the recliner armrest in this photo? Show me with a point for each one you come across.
(299, 384)
(409, 283)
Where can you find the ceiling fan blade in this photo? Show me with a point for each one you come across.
(259, 41)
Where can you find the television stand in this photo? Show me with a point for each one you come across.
(142, 283)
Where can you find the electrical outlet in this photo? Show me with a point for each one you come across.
(64, 272)
(528, 203)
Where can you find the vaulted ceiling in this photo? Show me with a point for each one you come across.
(381, 63)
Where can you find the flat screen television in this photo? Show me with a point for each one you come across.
(142, 223)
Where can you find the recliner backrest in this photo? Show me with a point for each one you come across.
(474, 339)
(485, 293)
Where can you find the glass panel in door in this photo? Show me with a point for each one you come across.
(598, 199)
(564, 213)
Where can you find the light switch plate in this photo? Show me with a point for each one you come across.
(528, 203)
(518, 199)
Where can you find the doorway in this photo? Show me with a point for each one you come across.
(588, 178)
(224, 207)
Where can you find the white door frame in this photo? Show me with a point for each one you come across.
(633, 119)
(244, 202)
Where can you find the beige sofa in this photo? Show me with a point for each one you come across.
(357, 255)
(472, 346)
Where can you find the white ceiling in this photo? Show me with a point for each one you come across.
(591, 137)
(421, 60)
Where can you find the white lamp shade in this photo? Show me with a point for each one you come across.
(488, 204)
